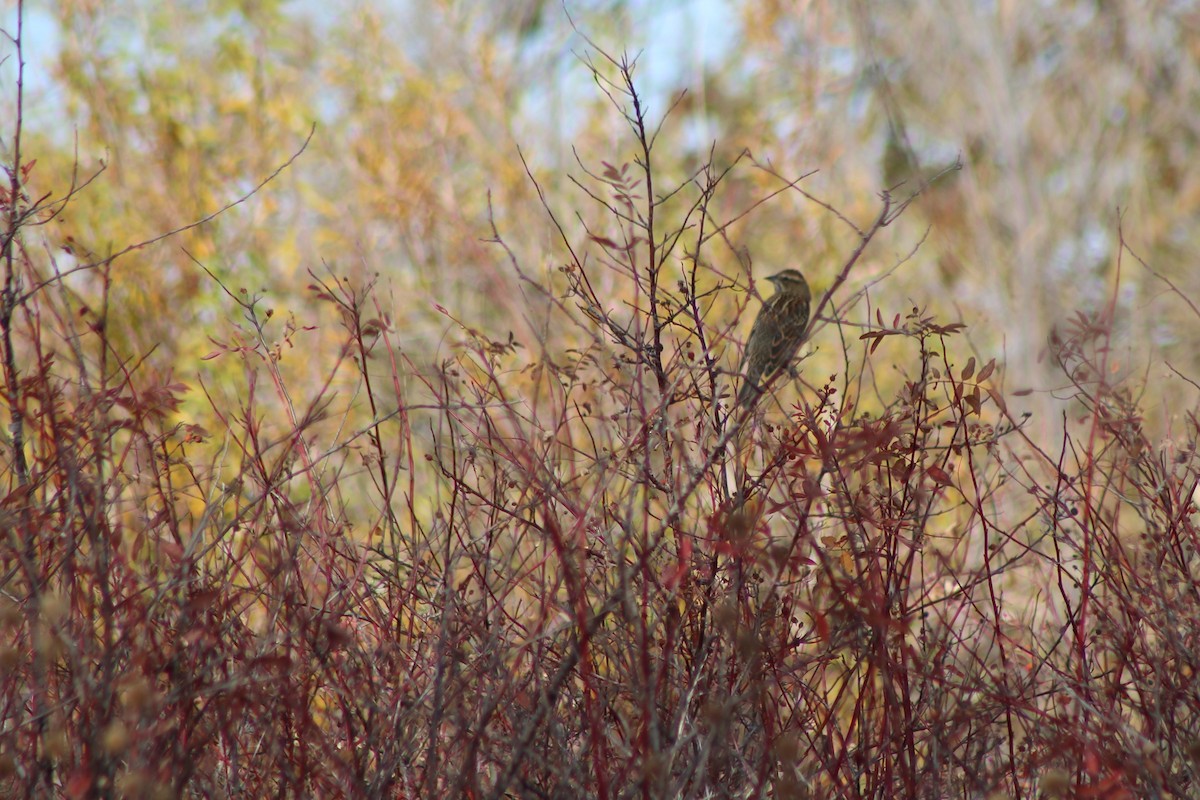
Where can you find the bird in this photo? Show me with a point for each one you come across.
(776, 334)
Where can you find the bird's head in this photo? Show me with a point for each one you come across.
(790, 281)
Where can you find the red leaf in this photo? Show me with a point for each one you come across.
(79, 784)
(201, 600)
(673, 578)
(821, 624)
(273, 662)
(973, 401)
(939, 475)
(605, 242)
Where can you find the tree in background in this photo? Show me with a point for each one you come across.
(410, 469)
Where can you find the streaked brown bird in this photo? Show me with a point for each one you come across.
(776, 335)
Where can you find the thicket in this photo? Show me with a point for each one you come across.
(573, 572)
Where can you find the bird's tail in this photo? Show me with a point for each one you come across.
(748, 394)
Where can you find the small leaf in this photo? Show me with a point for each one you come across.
(201, 600)
(987, 370)
(997, 399)
(605, 242)
(969, 369)
(939, 475)
(273, 661)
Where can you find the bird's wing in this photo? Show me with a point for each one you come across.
(785, 328)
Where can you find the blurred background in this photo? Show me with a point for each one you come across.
(1073, 122)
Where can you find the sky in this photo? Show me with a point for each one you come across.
(673, 40)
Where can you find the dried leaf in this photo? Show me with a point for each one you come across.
(939, 475)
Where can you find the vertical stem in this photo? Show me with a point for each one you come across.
(8, 296)
(652, 264)
(8, 304)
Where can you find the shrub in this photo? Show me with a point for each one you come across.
(575, 572)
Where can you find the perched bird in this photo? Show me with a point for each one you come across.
(776, 334)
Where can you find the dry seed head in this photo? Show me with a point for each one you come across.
(10, 658)
(1055, 783)
(136, 693)
(55, 744)
(10, 613)
(54, 607)
(115, 738)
